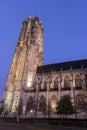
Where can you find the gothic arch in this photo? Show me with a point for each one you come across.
(78, 80)
(67, 82)
(53, 103)
(42, 104)
(80, 103)
(56, 82)
(30, 104)
(45, 82)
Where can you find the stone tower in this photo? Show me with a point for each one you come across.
(27, 57)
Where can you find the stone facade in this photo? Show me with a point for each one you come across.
(53, 84)
(35, 87)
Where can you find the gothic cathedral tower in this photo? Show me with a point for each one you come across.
(27, 57)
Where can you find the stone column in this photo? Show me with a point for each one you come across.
(61, 83)
(24, 106)
(73, 94)
(48, 96)
(73, 87)
(59, 86)
(71, 83)
(37, 96)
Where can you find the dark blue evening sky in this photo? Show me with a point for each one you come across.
(65, 30)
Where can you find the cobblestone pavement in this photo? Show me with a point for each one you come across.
(43, 126)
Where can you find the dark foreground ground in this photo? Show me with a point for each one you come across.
(34, 126)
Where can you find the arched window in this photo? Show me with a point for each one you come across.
(56, 82)
(78, 81)
(30, 104)
(30, 79)
(67, 83)
(20, 106)
(45, 84)
(53, 103)
(80, 104)
(42, 104)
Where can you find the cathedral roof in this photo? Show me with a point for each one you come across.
(78, 64)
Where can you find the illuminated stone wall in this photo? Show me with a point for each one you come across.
(54, 84)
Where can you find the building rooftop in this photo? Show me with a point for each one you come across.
(78, 64)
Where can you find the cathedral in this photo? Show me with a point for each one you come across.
(32, 88)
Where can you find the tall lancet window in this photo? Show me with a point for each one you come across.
(78, 81)
(30, 79)
(53, 103)
(67, 81)
(56, 83)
